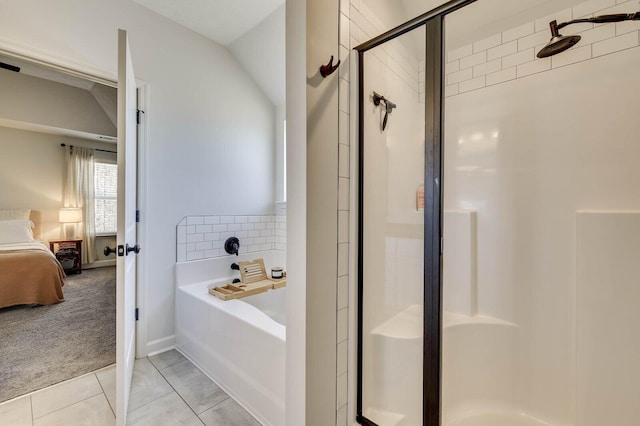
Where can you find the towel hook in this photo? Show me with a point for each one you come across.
(326, 70)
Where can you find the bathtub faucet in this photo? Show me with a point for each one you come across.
(232, 245)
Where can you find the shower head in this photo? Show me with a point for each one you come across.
(560, 43)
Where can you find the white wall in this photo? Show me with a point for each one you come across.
(262, 52)
(322, 219)
(296, 47)
(280, 152)
(32, 172)
(210, 129)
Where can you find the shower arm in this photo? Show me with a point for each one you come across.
(602, 19)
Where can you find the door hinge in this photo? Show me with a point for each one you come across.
(137, 316)
(138, 115)
(441, 246)
(137, 216)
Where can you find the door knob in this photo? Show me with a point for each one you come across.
(135, 249)
(108, 250)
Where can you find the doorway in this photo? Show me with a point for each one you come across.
(80, 138)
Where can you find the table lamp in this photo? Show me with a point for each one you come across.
(70, 215)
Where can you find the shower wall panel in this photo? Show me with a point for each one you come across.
(527, 144)
(608, 273)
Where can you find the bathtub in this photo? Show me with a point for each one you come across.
(239, 344)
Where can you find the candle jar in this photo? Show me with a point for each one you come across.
(276, 273)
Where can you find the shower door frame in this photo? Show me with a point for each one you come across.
(434, 115)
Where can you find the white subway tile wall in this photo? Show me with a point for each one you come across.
(353, 26)
(518, 32)
(393, 56)
(203, 237)
(342, 390)
(487, 43)
(488, 62)
(592, 6)
(564, 15)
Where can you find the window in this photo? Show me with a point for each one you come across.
(106, 187)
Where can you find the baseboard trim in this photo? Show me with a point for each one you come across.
(161, 345)
(99, 264)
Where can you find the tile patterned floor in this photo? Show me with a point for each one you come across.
(167, 389)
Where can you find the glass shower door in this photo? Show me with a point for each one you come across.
(392, 220)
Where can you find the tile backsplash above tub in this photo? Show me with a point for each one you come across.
(203, 237)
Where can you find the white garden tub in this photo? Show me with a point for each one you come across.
(239, 343)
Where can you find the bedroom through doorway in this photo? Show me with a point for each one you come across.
(58, 214)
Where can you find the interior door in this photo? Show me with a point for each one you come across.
(127, 247)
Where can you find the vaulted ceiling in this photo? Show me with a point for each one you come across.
(220, 20)
(252, 30)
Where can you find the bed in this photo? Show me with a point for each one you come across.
(29, 272)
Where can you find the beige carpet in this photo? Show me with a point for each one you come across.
(44, 345)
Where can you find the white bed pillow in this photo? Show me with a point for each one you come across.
(16, 231)
(15, 214)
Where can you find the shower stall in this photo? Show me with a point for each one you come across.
(499, 216)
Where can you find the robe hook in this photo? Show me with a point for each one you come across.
(326, 70)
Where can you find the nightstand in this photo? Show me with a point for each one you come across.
(69, 254)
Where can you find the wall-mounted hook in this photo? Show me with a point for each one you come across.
(326, 70)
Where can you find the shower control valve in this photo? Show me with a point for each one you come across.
(232, 245)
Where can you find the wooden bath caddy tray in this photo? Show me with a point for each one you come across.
(254, 281)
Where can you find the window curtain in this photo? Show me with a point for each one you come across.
(79, 192)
